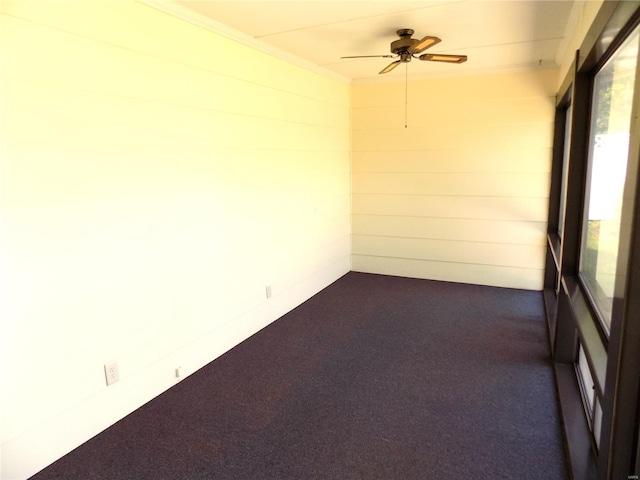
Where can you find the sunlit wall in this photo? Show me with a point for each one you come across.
(461, 193)
(156, 178)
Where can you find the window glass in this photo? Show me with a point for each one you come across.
(565, 170)
(597, 423)
(606, 170)
(589, 398)
(586, 381)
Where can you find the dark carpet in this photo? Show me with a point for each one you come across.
(375, 377)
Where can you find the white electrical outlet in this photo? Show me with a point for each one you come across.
(268, 291)
(111, 372)
(178, 372)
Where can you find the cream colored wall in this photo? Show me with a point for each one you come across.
(461, 194)
(156, 177)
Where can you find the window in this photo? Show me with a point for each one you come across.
(592, 211)
(606, 170)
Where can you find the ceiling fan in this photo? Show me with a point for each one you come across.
(407, 48)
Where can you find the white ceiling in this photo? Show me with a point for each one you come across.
(496, 35)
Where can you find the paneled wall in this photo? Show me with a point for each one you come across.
(156, 178)
(461, 194)
(582, 19)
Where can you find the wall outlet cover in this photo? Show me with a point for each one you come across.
(111, 372)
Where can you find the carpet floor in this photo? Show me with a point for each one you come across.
(375, 377)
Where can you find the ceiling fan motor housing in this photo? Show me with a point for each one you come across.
(403, 44)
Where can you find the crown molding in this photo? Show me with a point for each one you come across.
(176, 10)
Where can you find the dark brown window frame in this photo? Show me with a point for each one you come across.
(613, 359)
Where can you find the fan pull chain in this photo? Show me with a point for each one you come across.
(406, 92)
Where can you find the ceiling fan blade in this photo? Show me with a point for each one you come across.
(390, 67)
(422, 45)
(441, 57)
(371, 56)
